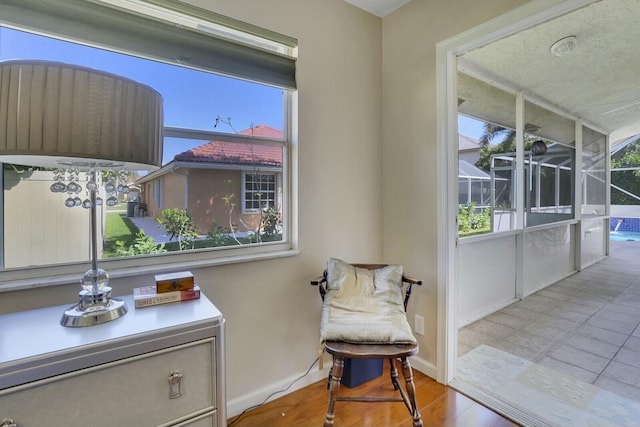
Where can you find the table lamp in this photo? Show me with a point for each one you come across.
(75, 120)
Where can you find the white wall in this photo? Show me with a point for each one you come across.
(593, 243)
(486, 276)
(549, 255)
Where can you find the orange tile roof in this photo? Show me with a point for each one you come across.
(238, 153)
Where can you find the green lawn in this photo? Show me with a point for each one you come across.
(117, 227)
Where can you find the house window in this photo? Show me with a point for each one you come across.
(227, 88)
(259, 191)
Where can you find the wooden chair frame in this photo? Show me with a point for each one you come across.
(392, 352)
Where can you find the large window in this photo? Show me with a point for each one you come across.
(224, 97)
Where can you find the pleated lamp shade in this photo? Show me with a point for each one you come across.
(54, 114)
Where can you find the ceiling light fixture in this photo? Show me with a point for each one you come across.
(564, 46)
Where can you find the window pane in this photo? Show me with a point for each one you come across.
(201, 179)
(549, 189)
(594, 188)
(487, 114)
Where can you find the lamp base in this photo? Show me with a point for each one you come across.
(76, 316)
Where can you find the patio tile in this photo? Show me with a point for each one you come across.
(593, 345)
(628, 356)
(561, 313)
(594, 301)
(633, 343)
(560, 366)
(474, 339)
(464, 348)
(525, 345)
(623, 373)
(618, 317)
(548, 332)
(490, 328)
(633, 311)
(612, 325)
(537, 304)
(580, 358)
(566, 290)
(521, 312)
(611, 337)
(618, 388)
(509, 320)
(578, 308)
(553, 294)
(628, 299)
(603, 292)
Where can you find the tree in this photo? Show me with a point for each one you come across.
(628, 180)
(507, 143)
(179, 225)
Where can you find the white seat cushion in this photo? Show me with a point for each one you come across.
(364, 306)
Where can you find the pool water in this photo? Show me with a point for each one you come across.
(623, 236)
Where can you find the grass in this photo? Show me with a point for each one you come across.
(484, 230)
(117, 227)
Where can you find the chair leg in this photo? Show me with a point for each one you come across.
(394, 373)
(336, 377)
(330, 374)
(411, 391)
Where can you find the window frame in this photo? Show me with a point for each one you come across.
(63, 274)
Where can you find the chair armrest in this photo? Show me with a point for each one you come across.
(411, 280)
(318, 280)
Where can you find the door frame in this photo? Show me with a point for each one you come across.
(519, 19)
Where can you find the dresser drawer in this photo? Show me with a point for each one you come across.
(130, 392)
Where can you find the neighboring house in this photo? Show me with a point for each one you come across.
(468, 149)
(219, 183)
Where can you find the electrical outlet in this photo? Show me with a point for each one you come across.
(418, 325)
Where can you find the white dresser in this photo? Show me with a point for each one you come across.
(156, 366)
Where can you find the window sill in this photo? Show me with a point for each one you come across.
(120, 272)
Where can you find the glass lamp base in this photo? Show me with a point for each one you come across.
(81, 315)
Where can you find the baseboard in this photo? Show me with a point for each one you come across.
(239, 404)
(424, 366)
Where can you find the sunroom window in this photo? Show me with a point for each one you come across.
(227, 90)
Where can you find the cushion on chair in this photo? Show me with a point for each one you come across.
(364, 306)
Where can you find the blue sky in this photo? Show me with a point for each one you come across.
(469, 127)
(192, 99)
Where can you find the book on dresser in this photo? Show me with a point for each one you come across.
(148, 295)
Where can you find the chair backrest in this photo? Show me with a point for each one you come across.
(321, 281)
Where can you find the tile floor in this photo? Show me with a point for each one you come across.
(586, 325)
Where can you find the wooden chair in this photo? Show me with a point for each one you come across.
(392, 352)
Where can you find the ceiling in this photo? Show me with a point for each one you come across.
(598, 81)
(379, 8)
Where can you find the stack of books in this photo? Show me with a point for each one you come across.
(172, 287)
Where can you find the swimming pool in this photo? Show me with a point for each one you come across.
(624, 236)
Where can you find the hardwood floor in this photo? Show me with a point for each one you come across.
(439, 406)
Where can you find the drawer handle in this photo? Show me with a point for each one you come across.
(175, 385)
(8, 422)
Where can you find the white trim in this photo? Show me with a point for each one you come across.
(174, 263)
(526, 16)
